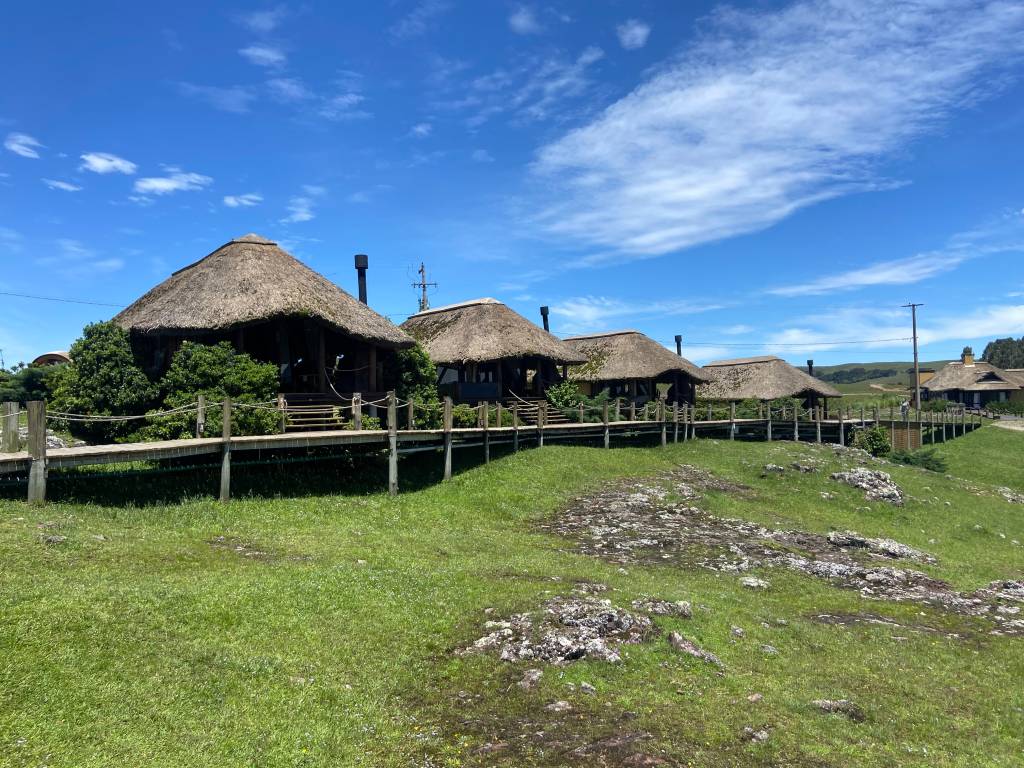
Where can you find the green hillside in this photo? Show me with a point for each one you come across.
(867, 377)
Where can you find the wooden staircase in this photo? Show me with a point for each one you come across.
(529, 408)
(313, 413)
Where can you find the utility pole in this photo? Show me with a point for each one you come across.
(917, 367)
(423, 285)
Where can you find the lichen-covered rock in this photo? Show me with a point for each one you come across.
(680, 608)
(840, 707)
(689, 647)
(886, 547)
(877, 485)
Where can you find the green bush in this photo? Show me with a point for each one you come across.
(464, 416)
(415, 378)
(28, 382)
(103, 379)
(874, 440)
(926, 458)
(1008, 407)
(565, 396)
(215, 371)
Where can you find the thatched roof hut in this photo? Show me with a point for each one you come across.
(760, 378)
(484, 330)
(486, 351)
(625, 355)
(975, 382)
(270, 305)
(251, 280)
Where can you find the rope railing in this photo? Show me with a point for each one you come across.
(85, 417)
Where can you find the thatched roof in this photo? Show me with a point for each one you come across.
(978, 377)
(481, 330)
(250, 280)
(625, 355)
(760, 378)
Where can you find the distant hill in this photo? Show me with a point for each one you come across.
(867, 377)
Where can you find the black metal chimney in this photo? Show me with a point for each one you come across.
(362, 262)
(679, 345)
(810, 367)
(544, 316)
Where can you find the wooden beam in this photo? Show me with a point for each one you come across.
(37, 451)
(225, 461)
(604, 420)
(392, 444)
(446, 425)
(9, 443)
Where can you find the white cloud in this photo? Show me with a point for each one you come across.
(64, 186)
(22, 144)
(288, 89)
(264, 55)
(104, 162)
(590, 314)
(74, 260)
(897, 272)
(235, 98)
(176, 181)
(421, 130)
(10, 240)
(482, 156)
(633, 34)
(771, 112)
(263, 22)
(247, 200)
(301, 207)
(523, 21)
(738, 330)
(343, 107)
(419, 20)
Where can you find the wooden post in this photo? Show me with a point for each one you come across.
(581, 413)
(618, 409)
(660, 415)
(487, 432)
(769, 411)
(760, 411)
(498, 414)
(201, 414)
(446, 425)
(10, 427)
(225, 460)
(357, 411)
(37, 451)
(732, 420)
(410, 414)
(944, 420)
(910, 443)
(842, 428)
(515, 426)
(282, 406)
(863, 422)
(392, 443)
(796, 423)
(542, 417)
(709, 412)
(632, 410)
(607, 431)
(931, 428)
(675, 422)
(817, 424)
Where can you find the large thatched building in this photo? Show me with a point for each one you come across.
(974, 383)
(486, 351)
(630, 364)
(268, 304)
(761, 378)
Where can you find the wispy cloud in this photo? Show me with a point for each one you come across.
(264, 55)
(72, 259)
(302, 207)
(633, 34)
(176, 180)
(10, 240)
(482, 156)
(263, 22)
(596, 313)
(247, 200)
(104, 162)
(22, 144)
(288, 89)
(64, 186)
(420, 19)
(771, 112)
(343, 107)
(234, 98)
(421, 130)
(523, 21)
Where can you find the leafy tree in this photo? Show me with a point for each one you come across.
(1005, 353)
(102, 379)
(27, 382)
(216, 371)
(415, 377)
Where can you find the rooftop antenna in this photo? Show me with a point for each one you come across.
(423, 285)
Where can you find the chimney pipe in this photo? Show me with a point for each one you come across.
(810, 367)
(679, 345)
(362, 262)
(544, 315)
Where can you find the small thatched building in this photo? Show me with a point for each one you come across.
(630, 364)
(761, 378)
(974, 383)
(268, 304)
(486, 351)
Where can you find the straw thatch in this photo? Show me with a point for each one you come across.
(251, 280)
(482, 330)
(977, 377)
(760, 378)
(626, 355)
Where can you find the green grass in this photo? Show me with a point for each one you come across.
(153, 647)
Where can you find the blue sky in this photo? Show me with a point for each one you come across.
(767, 178)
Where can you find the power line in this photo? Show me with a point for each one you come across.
(799, 345)
(62, 300)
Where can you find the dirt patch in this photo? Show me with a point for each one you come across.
(873, 619)
(240, 548)
(641, 522)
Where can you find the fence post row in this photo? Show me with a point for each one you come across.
(37, 452)
(446, 425)
(225, 461)
(10, 427)
(392, 443)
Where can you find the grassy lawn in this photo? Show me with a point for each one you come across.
(319, 630)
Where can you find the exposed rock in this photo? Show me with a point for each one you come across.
(559, 706)
(773, 469)
(756, 735)
(769, 650)
(737, 632)
(54, 538)
(530, 679)
(685, 645)
(887, 547)
(754, 698)
(752, 582)
(802, 467)
(1011, 496)
(680, 608)
(841, 707)
(587, 688)
(877, 485)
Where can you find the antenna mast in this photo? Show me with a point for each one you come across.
(423, 285)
